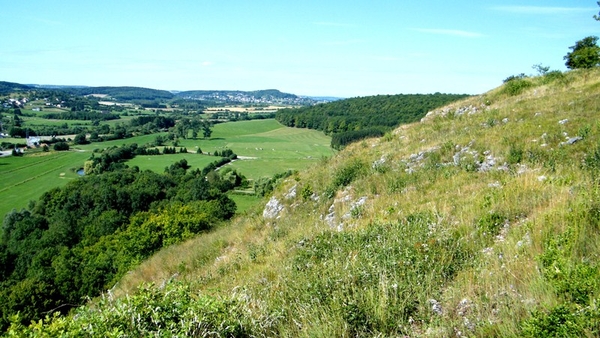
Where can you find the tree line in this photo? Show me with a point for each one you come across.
(79, 240)
(82, 115)
(355, 116)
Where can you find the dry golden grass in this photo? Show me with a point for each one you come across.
(536, 185)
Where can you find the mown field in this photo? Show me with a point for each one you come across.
(26, 178)
(264, 146)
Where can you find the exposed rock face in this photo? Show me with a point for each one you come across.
(272, 209)
(291, 194)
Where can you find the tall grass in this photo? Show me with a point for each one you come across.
(482, 220)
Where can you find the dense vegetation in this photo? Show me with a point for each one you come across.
(481, 220)
(82, 115)
(77, 241)
(378, 113)
(127, 94)
(10, 87)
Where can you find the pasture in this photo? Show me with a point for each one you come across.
(265, 148)
(26, 178)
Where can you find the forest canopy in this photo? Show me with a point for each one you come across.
(79, 240)
(376, 113)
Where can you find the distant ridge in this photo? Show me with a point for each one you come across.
(47, 86)
(8, 87)
(142, 94)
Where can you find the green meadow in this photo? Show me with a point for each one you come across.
(26, 178)
(265, 148)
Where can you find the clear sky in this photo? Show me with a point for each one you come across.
(339, 48)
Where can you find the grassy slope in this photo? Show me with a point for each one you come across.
(432, 230)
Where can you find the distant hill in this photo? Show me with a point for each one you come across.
(124, 93)
(148, 96)
(267, 96)
(54, 86)
(9, 87)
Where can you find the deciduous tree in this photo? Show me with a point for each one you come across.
(584, 54)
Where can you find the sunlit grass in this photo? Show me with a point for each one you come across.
(479, 221)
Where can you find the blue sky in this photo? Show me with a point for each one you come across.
(321, 48)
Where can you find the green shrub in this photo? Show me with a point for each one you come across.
(490, 224)
(172, 311)
(552, 76)
(60, 146)
(345, 175)
(560, 321)
(515, 154)
(516, 86)
(306, 192)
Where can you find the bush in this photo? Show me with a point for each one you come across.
(345, 175)
(560, 321)
(175, 311)
(516, 86)
(60, 146)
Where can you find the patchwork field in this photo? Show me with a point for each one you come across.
(265, 148)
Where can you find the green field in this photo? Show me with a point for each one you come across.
(265, 148)
(140, 140)
(26, 178)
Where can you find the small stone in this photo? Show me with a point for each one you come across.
(575, 139)
(436, 307)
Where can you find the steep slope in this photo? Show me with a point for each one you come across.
(480, 220)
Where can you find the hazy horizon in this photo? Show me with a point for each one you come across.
(311, 48)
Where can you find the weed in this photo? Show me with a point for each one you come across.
(515, 154)
(306, 192)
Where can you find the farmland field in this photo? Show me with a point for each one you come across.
(26, 178)
(265, 148)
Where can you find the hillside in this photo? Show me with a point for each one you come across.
(268, 96)
(480, 220)
(123, 93)
(10, 87)
(357, 118)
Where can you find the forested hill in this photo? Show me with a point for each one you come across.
(123, 93)
(9, 87)
(356, 118)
